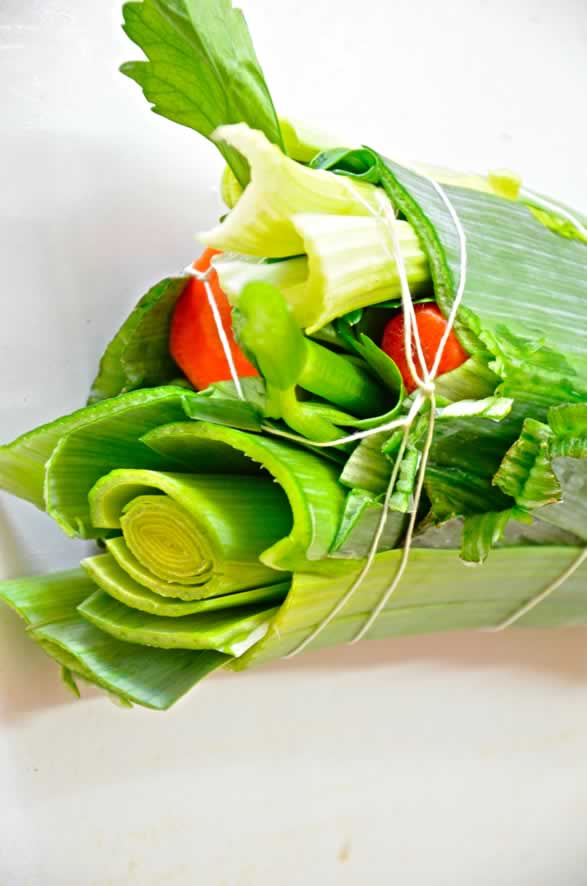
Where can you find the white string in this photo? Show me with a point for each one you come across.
(204, 277)
(534, 601)
(350, 438)
(426, 391)
(372, 549)
(376, 612)
(564, 213)
(463, 262)
(411, 331)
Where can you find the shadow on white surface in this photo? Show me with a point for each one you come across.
(558, 653)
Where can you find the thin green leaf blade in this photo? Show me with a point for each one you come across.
(104, 436)
(109, 576)
(153, 678)
(230, 631)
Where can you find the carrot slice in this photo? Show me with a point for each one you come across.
(431, 326)
(194, 342)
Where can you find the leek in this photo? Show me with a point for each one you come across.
(155, 678)
(202, 538)
(437, 594)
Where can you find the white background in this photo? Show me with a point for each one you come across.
(452, 760)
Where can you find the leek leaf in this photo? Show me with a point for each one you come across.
(482, 531)
(455, 492)
(310, 483)
(153, 678)
(109, 576)
(367, 467)
(221, 404)
(473, 380)
(570, 514)
(359, 522)
(569, 425)
(519, 273)
(138, 355)
(437, 593)
(231, 631)
(532, 372)
(107, 433)
(526, 473)
(201, 538)
(105, 436)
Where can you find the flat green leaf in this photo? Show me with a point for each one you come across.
(519, 273)
(481, 532)
(367, 467)
(455, 492)
(231, 631)
(359, 522)
(94, 441)
(220, 403)
(438, 592)
(532, 372)
(138, 355)
(526, 470)
(154, 678)
(23, 462)
(110, 577)
(202, 70)
(569, 426)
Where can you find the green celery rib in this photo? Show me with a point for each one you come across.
(351, 265)
(437, 593)
(261, 223)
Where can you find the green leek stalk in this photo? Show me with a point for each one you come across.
(201, 538)
(88, 633)
(437, 593)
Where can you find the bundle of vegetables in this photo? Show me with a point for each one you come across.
(373, 375)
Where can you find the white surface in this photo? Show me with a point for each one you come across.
(453, 760)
